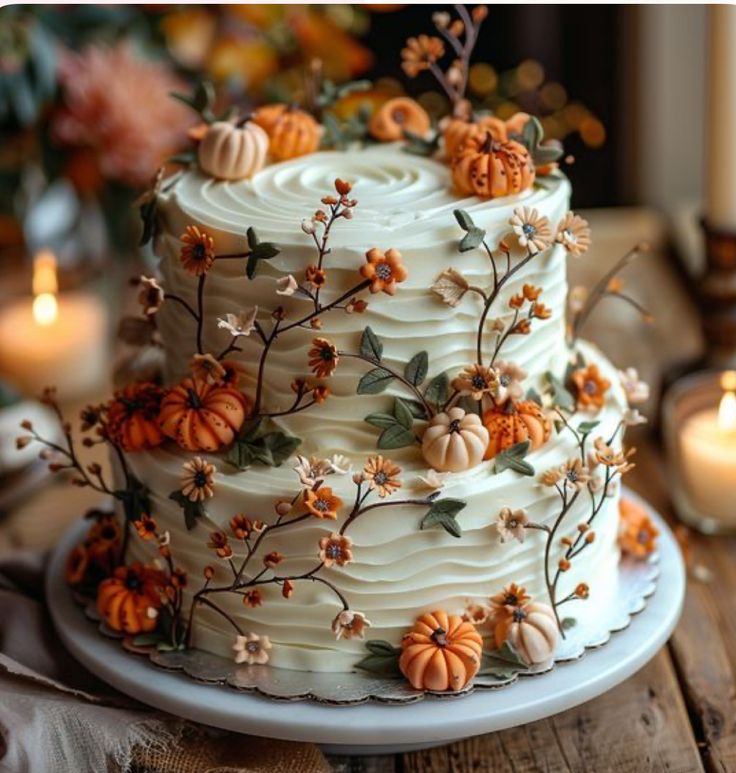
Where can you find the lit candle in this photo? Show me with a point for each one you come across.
(720, 147)
(54, 339)
(708, 453)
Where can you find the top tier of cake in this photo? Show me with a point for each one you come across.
(405, 202)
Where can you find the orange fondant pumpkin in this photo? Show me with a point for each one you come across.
(390, 121)
(202, 416)
(458, 131)
(514, 423)
(132, 417)
(442, 652)
(128, 601)
(488, 168)
(291, 131)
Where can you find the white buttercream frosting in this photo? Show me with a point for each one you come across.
(398, 571)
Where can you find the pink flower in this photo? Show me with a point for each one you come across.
(117, 104)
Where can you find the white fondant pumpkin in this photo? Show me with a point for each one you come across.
(454, 441)
(533, 633)
(231, 152)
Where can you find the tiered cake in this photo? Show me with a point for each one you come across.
(377, 441)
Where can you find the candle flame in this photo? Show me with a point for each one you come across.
(45, 287)
(727, 412)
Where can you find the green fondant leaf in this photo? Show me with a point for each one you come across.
(463, 219)
(502, 663)
(533, 136)
(136, 499)
(383, 659)
(560, 394)
(472, 239)
(417, 409)
(568, 623)
(417, 368)
(370, 345)
(402, 413)
(443, 513)
(532, 394)
(438, 390)
(380, 420)
(271, 449)
(192, 510)
(418, 146)
(374, 381)
(586, 427)
(264, 251)
(396, 436)
(513, 459)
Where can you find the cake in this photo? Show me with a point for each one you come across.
(376, 435)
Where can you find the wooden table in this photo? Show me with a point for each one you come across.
(677, 714)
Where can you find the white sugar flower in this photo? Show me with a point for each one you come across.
(637, 391)
(242, 324)
(286, 285)
(511, 524)
(510, 377)
(350, 625)
(433, 480)
(339, 464)
(632, 418)
(532, 229)
(251, 649)
(312, 470)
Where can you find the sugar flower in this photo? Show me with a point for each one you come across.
(476, 381)
(509, 377)
(511, 524)
(323, 357)
(220, 544)
(433, 480)
(450, 286)
(322, 503)
(575, 474)
(637, 533)
(150, 295)
(241, 324)
(335, 549)
(251, 649)
(420, 53)
(286, 285)
(350, 625)
(197, 481)
(637, 391)
(206, 368)
(632, 417)
(252, 598)
(532, 229)
(312, 470)
(384, 271)
(573, 234)
(198, 253)
(591, 387)
(382, 475)
(146, 527)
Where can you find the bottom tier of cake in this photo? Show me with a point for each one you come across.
(396, 569)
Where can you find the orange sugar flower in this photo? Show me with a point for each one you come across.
(253, 598)
(420, 53)
(531, 293)
(146, 527)
(323, 357)
(320, 393)
(241, 526)
(385, 271)
(637, 533)
(591, 387)
(316, 276)
(382, 475)
(322, 503)
(335, 549)
(198, 253)
(219, 543)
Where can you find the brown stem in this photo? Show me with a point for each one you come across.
(200, 314)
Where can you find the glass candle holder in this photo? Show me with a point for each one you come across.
(699, 420)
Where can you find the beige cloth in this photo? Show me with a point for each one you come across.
(55, 716)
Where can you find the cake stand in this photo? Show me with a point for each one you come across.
(375, 728)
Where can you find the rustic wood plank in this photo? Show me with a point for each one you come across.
(385, 764)
(642, 725)
(704, 644)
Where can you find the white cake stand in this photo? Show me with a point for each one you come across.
(375, 728)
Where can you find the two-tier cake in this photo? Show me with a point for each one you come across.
(377, 441)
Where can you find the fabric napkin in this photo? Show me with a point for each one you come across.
(56, 716)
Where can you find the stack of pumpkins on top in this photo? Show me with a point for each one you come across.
(485, 158)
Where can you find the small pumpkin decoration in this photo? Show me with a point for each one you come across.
(292, 132)
(132, 417)
(532, 631)
(397, 115)
(126, 599)
(514, 423)
(202, 416)
(454, 441)
(231, 151)
(458, 131)
(488, 168)
(441, 652)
